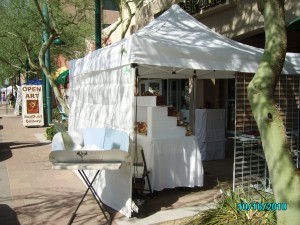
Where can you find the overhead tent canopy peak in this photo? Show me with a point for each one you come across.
(177, 40)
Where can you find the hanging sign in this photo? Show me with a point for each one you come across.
(32, 105)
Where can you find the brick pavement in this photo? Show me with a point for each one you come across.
(32, 193)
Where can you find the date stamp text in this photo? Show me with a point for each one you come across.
(267, 206)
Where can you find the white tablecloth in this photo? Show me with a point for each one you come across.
(173, 162)
(210, 133)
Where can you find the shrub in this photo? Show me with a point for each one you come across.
(228, 212)
(52, 130)
(56, 114)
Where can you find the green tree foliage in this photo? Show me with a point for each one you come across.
(22, 25)
(238, 208)
(18, 31)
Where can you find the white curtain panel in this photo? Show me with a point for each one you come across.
(102, 99)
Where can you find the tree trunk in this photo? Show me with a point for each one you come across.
(283, 173)
(53, 33)
(47, 73)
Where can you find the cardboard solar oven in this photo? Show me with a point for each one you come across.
(90, 149)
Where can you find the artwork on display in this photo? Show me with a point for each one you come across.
(32, 106)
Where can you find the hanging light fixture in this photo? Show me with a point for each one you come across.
(294, 25)
(59, 41)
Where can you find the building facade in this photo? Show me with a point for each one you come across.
(236, 19)
(110, 11)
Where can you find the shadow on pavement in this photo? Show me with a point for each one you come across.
(8, 216)
(216, 172)
(16, 145)
(5, 152)
(7, 147)
(57, 206)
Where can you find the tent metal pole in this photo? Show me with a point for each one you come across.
(135, 74)
(234, 150)
(168, 92)
(192, 114)
(298, 124)
(98, 13)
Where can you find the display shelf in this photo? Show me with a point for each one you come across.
(146, 101)
(250, 166)
(249, 156)
(159, 124)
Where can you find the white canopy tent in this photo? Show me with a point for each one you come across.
(9, 89)
(175, 45)
(176, 42)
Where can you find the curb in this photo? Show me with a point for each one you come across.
(166, 215)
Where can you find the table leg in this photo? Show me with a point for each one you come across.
(95, 195)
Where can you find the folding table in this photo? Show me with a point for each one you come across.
(80, 167)
(72, 150)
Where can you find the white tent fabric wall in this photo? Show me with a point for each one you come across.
(106, 99)
(110, 57)
(18, 100)
(175, 45)
(102, 99)
(9, 89)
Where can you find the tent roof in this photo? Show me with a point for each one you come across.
(175, 45)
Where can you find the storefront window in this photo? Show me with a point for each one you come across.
(174, 91)
(152, 86)
(110, 5)
(185, 104)
(178, 94)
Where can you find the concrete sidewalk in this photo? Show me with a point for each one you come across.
(32, 193)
